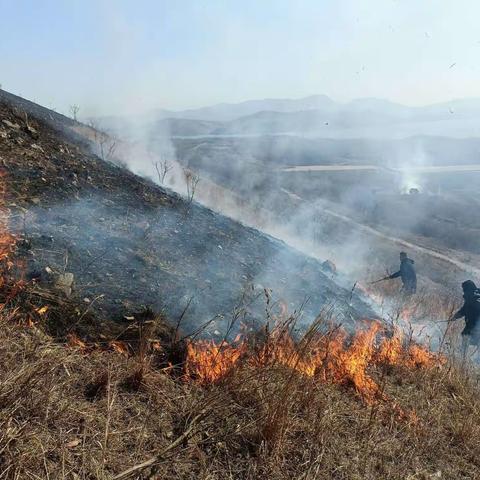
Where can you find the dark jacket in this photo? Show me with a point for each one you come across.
(471, 312)
(408, 275)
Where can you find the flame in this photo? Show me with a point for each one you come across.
(119, 347)
(74, 342)
(208, 362)
(419, 356)
(42, 310)
(333, 357)
(7, 247)
(393, 352)
(348, 365)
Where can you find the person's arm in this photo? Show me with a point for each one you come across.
(395, 275)
(459, 314)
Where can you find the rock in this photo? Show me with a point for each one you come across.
(3, 134)
(31, 131)
(37, 147)
(64, 283)
(9, 124)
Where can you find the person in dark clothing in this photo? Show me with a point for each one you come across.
(471, 312)
(407, 274)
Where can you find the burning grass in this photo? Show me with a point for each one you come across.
(68, 414)
(323, 356)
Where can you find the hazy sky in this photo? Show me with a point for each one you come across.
(113, 56)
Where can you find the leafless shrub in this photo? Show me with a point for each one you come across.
(74, 109)
(191, 180)
(162, 167)
(106, 143)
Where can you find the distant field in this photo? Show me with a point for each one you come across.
(419, 169)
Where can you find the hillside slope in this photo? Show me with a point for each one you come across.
(130, 243)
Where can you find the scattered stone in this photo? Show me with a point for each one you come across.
(31, 131)
(64, 283)
(9, 124)
(37, 147)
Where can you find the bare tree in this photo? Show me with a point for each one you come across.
(162, 167)
(74, 109)
(192, 181)
(108, 146)
(106, 143)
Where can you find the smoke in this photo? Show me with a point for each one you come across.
(322, 215)
(192, 265)
(411, 179)
(238, 153)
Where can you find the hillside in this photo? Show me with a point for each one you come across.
(130, 244)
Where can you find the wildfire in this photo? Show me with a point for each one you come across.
(74, 342)
(332, 357)
(7, 245)
(42, 310)
(117, 346)
(208, 362)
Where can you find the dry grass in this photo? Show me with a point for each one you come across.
(66, 414)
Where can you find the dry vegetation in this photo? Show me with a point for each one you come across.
(84, 412)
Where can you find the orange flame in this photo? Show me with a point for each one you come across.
(119, 347)
(208, 362)
(331, 358)
(74, 342)
(42, 310)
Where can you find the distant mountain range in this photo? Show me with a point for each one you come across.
(316, 115)
(225, 112)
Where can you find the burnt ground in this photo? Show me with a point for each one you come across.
(130, 243)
